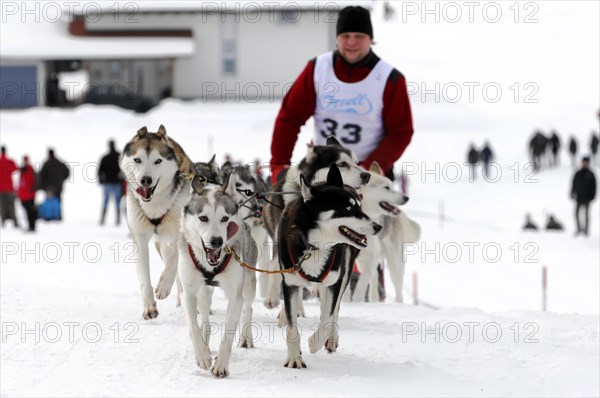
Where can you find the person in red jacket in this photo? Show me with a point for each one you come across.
(26, 192)
(7, 190)
(353, 95)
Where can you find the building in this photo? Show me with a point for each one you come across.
(228, 51)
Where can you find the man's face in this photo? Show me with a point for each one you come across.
(353, 46)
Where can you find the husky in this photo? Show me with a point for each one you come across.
(250, 182)
(155, 167)
(319, 237)
(211, 225)
(380, 201)
(314, 167)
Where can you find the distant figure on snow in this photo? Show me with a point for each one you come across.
(552, 224)
(573, 150)
(594, 147)
(555, 147)
(486, 157)
(53, 175)
(529, 224)
(7, 189)
(583, 191)
(111, 179)
(537, 148)
(473, 160)
(26, 192)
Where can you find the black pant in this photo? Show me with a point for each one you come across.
(31, 210)
(585, 206)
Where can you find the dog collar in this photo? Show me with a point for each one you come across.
(209, 276)
(156, 221)
(311, 278)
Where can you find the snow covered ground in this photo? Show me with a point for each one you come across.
(70, 305)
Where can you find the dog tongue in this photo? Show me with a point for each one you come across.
(213, 255)
(144, 192)
(390, 207)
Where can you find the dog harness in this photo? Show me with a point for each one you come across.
(311, 278)
(209, 276)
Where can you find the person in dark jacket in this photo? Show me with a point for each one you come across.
(26, 192)
(111, 178)
(583, 191)
(594, 147)
(473, 160)
(53, 175)
(7, 189)
(352, 94)
(486, 157)
(555, 147)
(573, 150)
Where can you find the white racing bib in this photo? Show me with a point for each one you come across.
(349, 111)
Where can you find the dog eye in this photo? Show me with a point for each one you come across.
(238, 184)
(388, 188)
(137, 160)
(225, 219)
(203, 218)
(343, 164)
(158, 161)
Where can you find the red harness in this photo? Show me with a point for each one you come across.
(311, 278)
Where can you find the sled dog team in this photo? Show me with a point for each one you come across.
(206, 224)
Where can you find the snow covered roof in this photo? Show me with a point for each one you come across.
(51, 41)
(149, 6)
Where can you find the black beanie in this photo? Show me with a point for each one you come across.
(354, 19)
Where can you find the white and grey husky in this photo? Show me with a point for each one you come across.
(154, 166)
(211, 225)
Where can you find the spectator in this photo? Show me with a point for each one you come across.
(26, 192)
(53, 175)
(573, 150)
(111, 178)
(529, 224)
(473, 159)
(583, 191)
(594, 147)
(553, 224)
(555, 147)
(486, 157)
(7, 190)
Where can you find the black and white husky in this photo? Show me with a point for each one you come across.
(319, 237)
(314, 167)
(211, 224)
(154, 166)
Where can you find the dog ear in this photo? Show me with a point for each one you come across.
(229, 185)
(162, 131)
(142, 132)
(305, 188)
(198, 184)
(334, 176)
(375, 168)
(212, 160)
(331, 140)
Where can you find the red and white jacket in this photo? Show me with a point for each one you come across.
(300, 102)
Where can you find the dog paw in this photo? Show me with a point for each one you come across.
(331, 345)
(219, 369)
(294, 363)
(246, 342)
(271, 302)
(313, 344)
(162, 292)
(150, 313)
(203, 360)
